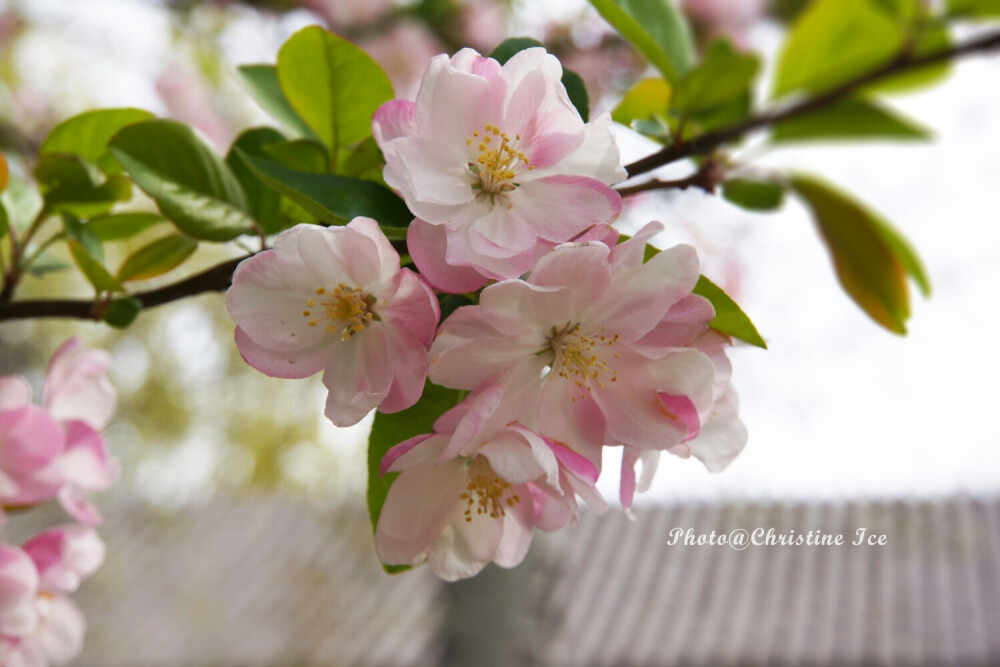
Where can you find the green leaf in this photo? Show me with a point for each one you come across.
(754, 194)
(571, 81)
(656, 28)
(332, 199)
(301, 154)
(974, 9)
(4, 222)
(511, 46)
(931, 39)
(390, 430)
(45, 264)
(93, 270)
(264, 203)
(645, 101)
(87, 135)
(848, 120)
(120, 313)
(73, 184)
(121, 226)
(333, 85)
(23, 203)
(264, 86)
(871, 259)
(394, 233)
(157, 258)
(729, 317)
(365, 162)
(74, 230)
(189, 183)
(577, 91)
(722, 77)
(834, 41)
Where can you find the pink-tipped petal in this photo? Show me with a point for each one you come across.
(427, 244)
(77, 385)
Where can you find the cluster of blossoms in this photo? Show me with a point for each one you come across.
(52, 451)
(575, 343)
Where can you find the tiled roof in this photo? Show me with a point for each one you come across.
(274, 581)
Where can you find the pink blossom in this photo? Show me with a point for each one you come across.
(43, 627)
(458, 512)
(335, 299)
(500, 158)
(55, 451)
(618, 347)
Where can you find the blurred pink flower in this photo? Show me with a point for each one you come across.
(726, 18)
(500, 158)
(612, 344)
(43, 626)
(459, 512)
(335, 299)
(403, 51)
(55, 450)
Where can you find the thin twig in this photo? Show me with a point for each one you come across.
(709, 141)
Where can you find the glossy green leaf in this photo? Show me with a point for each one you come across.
(189, 183)
(572, 82)
(646, 100)
(74, 230)
(301, 155)
(656, 28)
(120, 313)
(834, 41)
(76, 185)
(263, 202)
(932, 38)
(332, 199)
(849, 120)
(93, 270)
(333, 85)
(871, 259)
(754, 194)
(975, 9)
(157, 258)
(262, 80)
(729, 317)
(722, 77)
(121, 226)
(390, 430)
(87, 135)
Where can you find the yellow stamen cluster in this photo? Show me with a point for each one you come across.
(498, 161)
(485, 493)
(347, 310)
(575, 358)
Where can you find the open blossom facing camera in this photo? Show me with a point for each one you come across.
(595, 325)
(499, 157)
(461, 511)
(334, 299)
(39, 625)
(55, 450)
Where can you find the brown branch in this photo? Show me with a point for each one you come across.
(706, 178)
(214, 279)
(904, 62)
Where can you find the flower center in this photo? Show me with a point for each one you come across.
(346, 309)
(579, 358)
(485, 493)
(498, 162)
